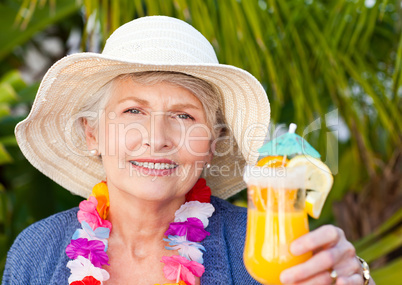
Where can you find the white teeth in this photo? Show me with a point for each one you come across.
(152, 165)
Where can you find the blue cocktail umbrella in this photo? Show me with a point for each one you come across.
(288, 144)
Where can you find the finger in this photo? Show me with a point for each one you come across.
(324, 278)
(320, 262)
(322, 237)
(355, 279)
(321, 278)
(349, 267)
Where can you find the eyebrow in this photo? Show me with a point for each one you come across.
(146, 103)
(135, 99)
(185, 106)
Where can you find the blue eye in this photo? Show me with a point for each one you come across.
(133, 111)
(185, 117)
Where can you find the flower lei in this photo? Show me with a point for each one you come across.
(89, 244)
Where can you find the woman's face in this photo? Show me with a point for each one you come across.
(154, 140)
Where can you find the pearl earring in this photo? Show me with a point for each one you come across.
(94, 152)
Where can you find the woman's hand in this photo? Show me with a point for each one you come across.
(331, 252)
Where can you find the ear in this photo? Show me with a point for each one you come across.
(90, 136)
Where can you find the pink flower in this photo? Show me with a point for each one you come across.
(178, 265)
(94, 250)
(89, 214)
(193, 229)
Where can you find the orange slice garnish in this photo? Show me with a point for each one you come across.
(258, 195)
(272, 161)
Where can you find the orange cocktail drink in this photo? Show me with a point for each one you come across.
(276, 217)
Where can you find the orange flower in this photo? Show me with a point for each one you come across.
(101, 193)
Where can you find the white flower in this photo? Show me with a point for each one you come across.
(195, 209)
(189, 249)
(82, 267)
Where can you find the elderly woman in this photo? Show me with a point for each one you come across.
(143, 122)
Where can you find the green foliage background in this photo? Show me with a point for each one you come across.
(316, 59)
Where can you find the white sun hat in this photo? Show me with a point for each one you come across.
(155, 43)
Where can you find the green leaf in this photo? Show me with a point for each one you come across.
(3, 244)
(27, 95)
(8, 141)
(385, 245)
(4, 110)
(389, 274)
(14, 78)
(4, 155)
(393, 221)
(12, 36)
(397, 77)
(7, 93)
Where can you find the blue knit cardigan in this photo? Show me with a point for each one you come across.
(38, 254)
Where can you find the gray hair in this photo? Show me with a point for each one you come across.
(204, 91)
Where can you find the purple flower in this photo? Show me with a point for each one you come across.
(193, 229)
(94, 250)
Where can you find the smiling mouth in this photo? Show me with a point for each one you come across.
(152, 165)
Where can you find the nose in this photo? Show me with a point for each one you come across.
(159, 133)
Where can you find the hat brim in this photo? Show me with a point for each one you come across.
(45, 139)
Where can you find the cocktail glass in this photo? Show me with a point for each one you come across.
(276, 217)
